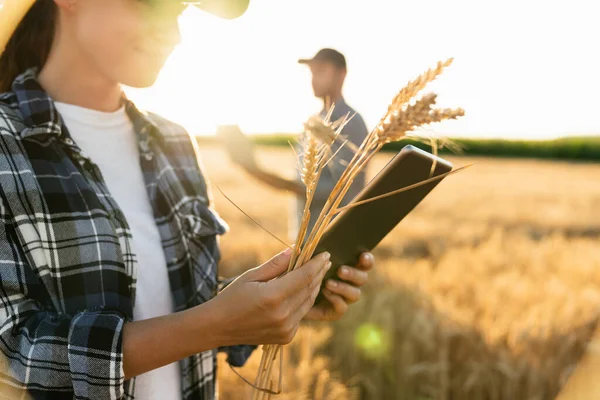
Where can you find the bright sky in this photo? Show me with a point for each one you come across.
(523, 68)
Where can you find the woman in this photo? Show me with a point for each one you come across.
(108, 247)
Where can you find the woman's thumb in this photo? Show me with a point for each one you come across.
(273, 268)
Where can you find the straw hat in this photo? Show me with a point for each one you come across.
(13, 11)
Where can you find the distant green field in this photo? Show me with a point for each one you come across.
(572, 148)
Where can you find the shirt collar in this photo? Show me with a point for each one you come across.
(38, 111)
(341, 103)
(41, 117)
(144, 127)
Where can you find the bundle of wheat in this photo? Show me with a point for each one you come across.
(401, 118)
(308, 374)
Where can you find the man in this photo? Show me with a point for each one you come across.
(328, 68)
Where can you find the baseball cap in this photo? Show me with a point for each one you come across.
(326, 55)
(227, 9)
(13, 11)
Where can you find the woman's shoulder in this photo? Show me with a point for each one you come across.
(181, 146)
(178, 140)
(169, 130)
(182, 151)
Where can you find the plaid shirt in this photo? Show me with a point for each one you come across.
(67, 270)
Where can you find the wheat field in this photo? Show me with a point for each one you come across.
(488, 290)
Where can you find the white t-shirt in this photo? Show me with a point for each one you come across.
(109, 140)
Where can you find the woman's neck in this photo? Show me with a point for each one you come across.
(69, 77)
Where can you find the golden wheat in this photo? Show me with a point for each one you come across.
(328, 132)
(411, 90)
(311, 162)
(421, 113)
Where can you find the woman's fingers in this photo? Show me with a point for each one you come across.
(352, 275)
(310, 292)
(303, 277)
(366, 262)
(350, 293)
(304, 308)
(271, 269)
(340, 307)
(295, 292)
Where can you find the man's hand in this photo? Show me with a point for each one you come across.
(340, 295)
(239, 147)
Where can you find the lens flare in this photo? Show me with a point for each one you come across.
(372, 340)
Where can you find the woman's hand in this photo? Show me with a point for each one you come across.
(340, 295)
(254, 309)
(258, 309)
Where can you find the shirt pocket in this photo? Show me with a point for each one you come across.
(198, 220)
(200, 228)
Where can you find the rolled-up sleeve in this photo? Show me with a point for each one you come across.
(95, 349)
(238, 355)
(46, 352)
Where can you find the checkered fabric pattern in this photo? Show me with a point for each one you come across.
(67, 270)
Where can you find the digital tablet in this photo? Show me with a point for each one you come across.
(361, 228)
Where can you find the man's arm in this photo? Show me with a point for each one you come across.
(241, 152)
(354, 132)
(276, 181)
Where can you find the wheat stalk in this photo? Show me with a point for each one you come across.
(310, 166)
(411, 90)
(328, 132)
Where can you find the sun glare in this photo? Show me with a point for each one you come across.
(214, 78)
(522, 69)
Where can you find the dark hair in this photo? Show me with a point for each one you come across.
(30, 44)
